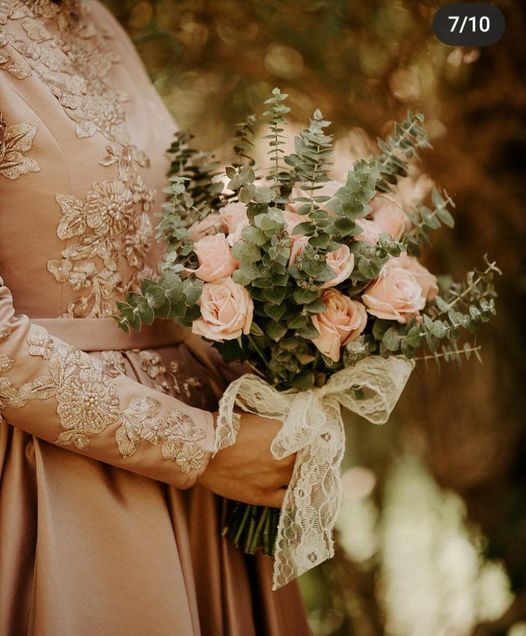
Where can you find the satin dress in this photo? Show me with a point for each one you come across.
(103, 435)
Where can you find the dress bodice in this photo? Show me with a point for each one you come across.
(83, 136)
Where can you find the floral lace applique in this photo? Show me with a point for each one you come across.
(74, 63)
(186, 385)
(152, 363)
(106, 227)
(12, 10)
(113, 363)
(45, 8)
(110, 227)
(88, 402)
(176, 433)
(19, 69)
(6, 363)
(16, 140)
(87, 398)
(5, 332)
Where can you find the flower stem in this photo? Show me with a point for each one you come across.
(241, 527)
(259, 352)
(257, 541)
(251, 529)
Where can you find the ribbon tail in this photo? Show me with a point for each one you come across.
(312, 501)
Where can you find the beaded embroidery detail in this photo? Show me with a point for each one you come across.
(15, 141)
(109, 228)
(88, 402)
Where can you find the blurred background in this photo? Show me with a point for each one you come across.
(432, 535)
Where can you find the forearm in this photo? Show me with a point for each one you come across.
(65, 397)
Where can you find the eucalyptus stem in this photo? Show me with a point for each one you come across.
(492, 267)
(231, 519)
(251, 529)
(453, 352)
(257, 534)
(241, 527)
(258, 351)
(267, 546)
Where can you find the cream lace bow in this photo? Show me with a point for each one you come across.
(313, 428)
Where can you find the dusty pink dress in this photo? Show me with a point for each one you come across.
(102, 435)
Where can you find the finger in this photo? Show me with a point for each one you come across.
(286, 473)
(275, 498)
(287, 463)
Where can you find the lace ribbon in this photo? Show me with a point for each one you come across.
(313, 428)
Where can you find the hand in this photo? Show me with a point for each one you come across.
(247, 471)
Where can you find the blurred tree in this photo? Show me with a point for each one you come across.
(364, 64)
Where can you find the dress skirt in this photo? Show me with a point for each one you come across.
(87, 549)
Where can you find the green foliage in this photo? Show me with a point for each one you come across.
(171, 297)
(370, 259)
(244, 145)
(400, 148)
(287, 295)
(275, 115)
(425, 220)
(311, 161)
(199, 169)
(459, 308)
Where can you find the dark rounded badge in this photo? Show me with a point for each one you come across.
(469, 24)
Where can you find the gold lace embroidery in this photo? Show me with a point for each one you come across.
(111, 226)
(113, 363)
(88, 402)
(5, 332)
(39, 343)
(152, 363)
(44, 8)
(87, 398)
(6, 363)
(176, 433)
(184, 384)
(17, 68)
(16, 140)
(106, 225)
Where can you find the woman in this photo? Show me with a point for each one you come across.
(108, 519)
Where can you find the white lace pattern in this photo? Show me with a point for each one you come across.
(313, 428)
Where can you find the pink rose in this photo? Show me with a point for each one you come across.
(210, 225)
(370, 231)
(215, 258)
(343, 321)
(390, 217)
(235, 216)
(424, 277)
(395, 294)
(341, 261)
(226, 311)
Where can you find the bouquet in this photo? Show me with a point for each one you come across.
(316, 287)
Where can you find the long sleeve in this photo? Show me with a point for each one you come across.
(82, 166)
(64, 396)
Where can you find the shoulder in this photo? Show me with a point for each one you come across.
(108, 24)
(118, 40)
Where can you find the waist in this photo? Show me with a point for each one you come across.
(104, 334)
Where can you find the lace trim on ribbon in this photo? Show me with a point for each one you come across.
(313, 428)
